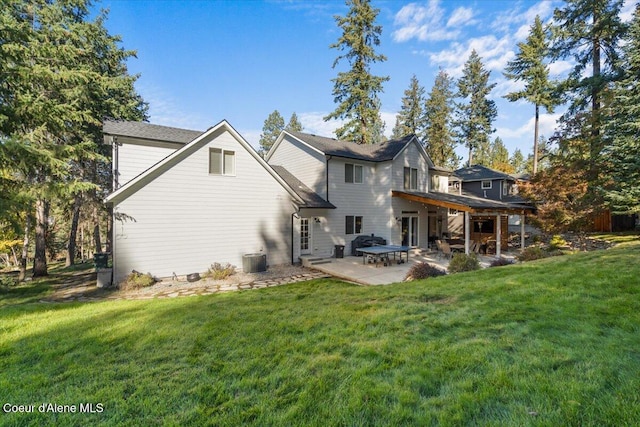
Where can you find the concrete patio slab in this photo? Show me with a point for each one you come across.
(351, 268)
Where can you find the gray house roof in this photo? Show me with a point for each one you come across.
(461, 202)
(381, 152)
(145, 130)
(479, 173)
(310, 197)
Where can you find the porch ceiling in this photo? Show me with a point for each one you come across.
(474, 205)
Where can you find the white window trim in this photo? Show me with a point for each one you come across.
(411, 171)
(222, 157)
(482, 184)
(353, 231)
(353, 177)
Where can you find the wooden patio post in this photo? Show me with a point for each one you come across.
(467, 232)
(522, 231)
(498, 234)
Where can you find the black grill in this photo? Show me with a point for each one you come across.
(366, 242)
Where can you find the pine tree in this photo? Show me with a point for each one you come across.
(588, 32)
(410, 119)
(60, 82)
(623, 145)
(500, 157)
(438, 117)
(294, 124)
(273, 125)
(517, 161)
(356, 91)
(474, 119)
(529, 67)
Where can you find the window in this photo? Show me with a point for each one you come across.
(222, 162)
(353, 225)
(353, 173)
(486, 185)
(505, 188)
(410, 178)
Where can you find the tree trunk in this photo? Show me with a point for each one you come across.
(535, 141)
(73, 232)
(96, 230)
(40, 257)
(25, 250)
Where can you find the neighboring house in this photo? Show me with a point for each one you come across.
(183, 203)
(482, 181)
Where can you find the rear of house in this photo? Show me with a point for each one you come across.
(213, 200)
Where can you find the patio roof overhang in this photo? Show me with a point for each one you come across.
(473, 205)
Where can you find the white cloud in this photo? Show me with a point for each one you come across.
(461, 16)
(313, 122)
(424, 23)
(546, 128)
(495, 54)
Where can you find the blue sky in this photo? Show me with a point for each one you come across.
(204, 61)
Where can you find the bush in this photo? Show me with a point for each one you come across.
(218, 271)
(498, 262)
(462, 262)
(533, 253)
(7, 281)
(137, 280)
(557, 242)
(423, 270)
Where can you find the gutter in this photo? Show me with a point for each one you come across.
(329, 157)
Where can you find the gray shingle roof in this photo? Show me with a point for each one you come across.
(310, 197)
(369, 152)
(478, 172)
(145, 130)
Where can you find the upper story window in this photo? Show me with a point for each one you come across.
(222, 162)
(505, 188)
(486, 185)
(410, 178)
(353, 173)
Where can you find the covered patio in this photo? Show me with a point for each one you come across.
(477, 211)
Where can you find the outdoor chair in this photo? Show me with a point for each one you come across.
(445, 250)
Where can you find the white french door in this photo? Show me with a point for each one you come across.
(410, 231)
(305, 236)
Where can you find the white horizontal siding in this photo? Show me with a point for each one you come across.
(303, 162)
(186, 219)
(413, 158)
(133, 159)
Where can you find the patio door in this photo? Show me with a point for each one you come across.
(410, 231)
(305, 236)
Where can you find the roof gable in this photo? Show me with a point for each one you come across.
(174, 158)
(381, 152)
(479, 172)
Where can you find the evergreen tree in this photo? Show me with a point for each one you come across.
(410, 118)
(62, 74)
(438, 116)
(500, 157)
(356, 91)
(529, 67)
(589, 33)
(517, 161)
(623, 146)
(294, 124)
(474, 119)
(273, 125)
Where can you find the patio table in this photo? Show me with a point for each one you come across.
(385, 251)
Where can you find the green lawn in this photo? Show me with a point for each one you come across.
(552, 342)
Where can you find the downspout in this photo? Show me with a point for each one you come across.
(329, 157)
(293, 215)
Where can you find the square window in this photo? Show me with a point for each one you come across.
(486, 185)
(353, 224)
(353, 173)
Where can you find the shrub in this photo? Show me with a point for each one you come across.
(7, 281)
(218, 271)
(498, 262)
(423, 270)
(557, 242)
(137, 280)
(532, 253)
(462, 262)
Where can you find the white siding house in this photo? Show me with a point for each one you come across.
(214, 200)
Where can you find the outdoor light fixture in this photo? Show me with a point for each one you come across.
(317, 220)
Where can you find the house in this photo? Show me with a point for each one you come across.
(183, 200)
(213, 199)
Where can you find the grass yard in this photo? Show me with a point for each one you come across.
(551, 342)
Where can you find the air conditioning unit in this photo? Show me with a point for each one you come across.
(254, 263)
